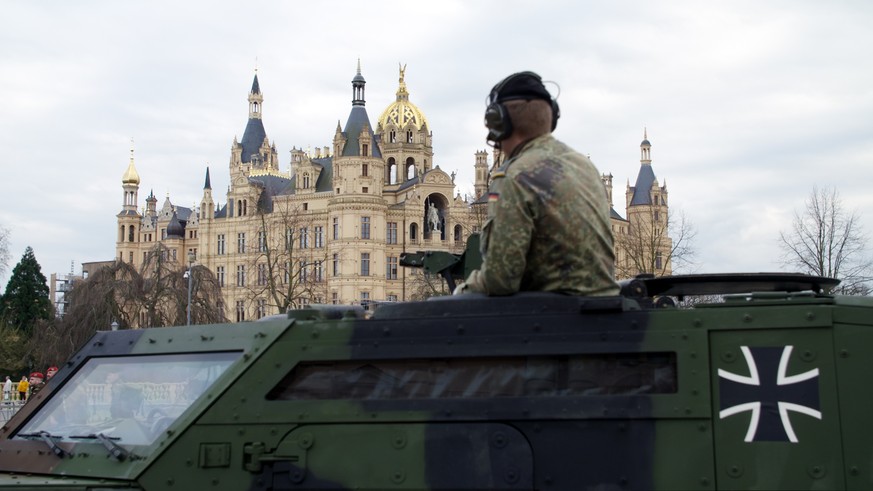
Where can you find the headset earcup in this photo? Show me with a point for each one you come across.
(556, 113)
(498, 122)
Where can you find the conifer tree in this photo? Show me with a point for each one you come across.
(27, 295)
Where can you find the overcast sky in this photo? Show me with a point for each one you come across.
(748, 104)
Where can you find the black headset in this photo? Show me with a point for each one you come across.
(497, 118)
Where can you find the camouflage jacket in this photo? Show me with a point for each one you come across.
(548, 226)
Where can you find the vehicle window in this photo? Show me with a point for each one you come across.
(128, 399)
(608, 374)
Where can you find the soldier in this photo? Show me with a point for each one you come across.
(548, 217)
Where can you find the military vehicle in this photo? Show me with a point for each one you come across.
(765, 388)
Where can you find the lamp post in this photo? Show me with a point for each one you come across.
(191, 258)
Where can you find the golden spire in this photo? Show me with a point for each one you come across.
(130, 175)
(402, 113)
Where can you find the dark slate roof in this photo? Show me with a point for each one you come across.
(645, 143)
(175, 228)
(643, 187)
(271, 186)
(357, 119)
(409, 183)
(252, 138)
(183, 213)
(256, 87)
(275, 185)
(614, 214)
(325, 178)
(208, 184)
(222, 213)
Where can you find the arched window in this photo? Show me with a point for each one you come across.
(239, 207)
(410, 168)
(306, 181)
(130, 233)
(409, 136)
(393, 138)
(413, 232)
(121, 234)
(457, 233)
(392, 170)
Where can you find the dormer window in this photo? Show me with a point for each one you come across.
(306, 181)
(365, 151)
(409, 136)
(393, 136)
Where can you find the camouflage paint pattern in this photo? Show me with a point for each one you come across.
(664, 420)
(548, 226)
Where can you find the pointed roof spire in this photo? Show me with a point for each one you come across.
(130, 175)
(256, 87)
(645, 149)
(208, 184)
(358, 87)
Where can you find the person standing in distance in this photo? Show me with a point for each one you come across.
(548, 217)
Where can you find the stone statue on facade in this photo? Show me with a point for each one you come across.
(433, 218)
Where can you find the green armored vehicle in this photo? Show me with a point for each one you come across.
(766, 389)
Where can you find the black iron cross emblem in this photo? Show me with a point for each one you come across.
(769, 393)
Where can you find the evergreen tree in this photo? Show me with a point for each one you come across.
(27, 295)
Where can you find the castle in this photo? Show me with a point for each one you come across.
(332, 228)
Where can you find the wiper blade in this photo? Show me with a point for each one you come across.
(116, 451)
(47, 438)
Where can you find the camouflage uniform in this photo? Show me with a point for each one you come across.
(548, 226)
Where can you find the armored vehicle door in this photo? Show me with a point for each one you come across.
(775, 408)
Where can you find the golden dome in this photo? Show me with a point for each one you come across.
(401, 112)
(130, 175)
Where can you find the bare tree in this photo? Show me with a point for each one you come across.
(656, 245)
(827, 240)
(156, 295)
(5, 256)
(291, 257)
(425, 285)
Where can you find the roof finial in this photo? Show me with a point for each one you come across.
(645, 133)
(256, 65)
(359, 66)
(131, 149)
(402, 93)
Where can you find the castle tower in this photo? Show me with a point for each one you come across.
(648, 216)
(356, 211)
(481, 170)
(405, 137)
(254, 154)
(207, 205)
(129, 219)
(607, 183)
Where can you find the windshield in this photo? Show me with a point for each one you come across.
(130, 400)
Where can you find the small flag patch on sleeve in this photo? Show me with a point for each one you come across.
(493, 197)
